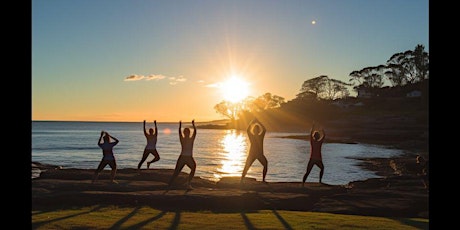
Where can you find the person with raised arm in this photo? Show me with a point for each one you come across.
(256, 133)
(186, 154)
(150, 148)
(108, 157)
(316, 142)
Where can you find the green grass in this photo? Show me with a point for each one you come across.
(112, 217)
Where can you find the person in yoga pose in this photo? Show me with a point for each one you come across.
(316, 142)
(256, 133)
(186, 155)
(150, 148)
(107, 156)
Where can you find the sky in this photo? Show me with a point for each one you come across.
(115, 60)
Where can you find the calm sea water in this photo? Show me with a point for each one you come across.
(218, 153)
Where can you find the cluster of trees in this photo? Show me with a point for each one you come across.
(323, 87)
(409, 67)
(403, 68)
(232, 110)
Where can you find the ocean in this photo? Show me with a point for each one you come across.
(218, 153)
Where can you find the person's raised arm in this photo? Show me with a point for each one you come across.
(312, 129)
(248, 130)
(264, 130)
(194, 128)
(145, 132)
(100, 138)
(156, 128)
(323, 135)
(180, 126)
(115, 139)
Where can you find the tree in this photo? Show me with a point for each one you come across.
(374, 76)
(229, 109)
(323, 87)
(313, 86)
(369, 77)
(421, 62)
(334, 89)
(266, 101)
(395, 74)
(408, 67)
(356, 77)
(233, 110)
(305, 96)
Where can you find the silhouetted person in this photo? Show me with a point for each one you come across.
(186, 154)
(151, 137)
(423, 170)
(256, 133)
(108, 158)
(316, 142)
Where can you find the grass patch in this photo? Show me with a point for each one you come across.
(113, 217)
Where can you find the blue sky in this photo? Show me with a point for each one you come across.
(85, 52)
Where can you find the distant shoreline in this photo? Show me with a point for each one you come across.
(327, 140)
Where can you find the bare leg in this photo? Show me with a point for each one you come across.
(179, 165)
(144, 157)
(264, 162)
(157, 158)
(192, 167)
(248, 164)
(309, 167)
(101, 166)
(113, 165)
(321, 172)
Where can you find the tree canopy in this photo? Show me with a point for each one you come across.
(323, 87)
(232, 110)
(402, 68)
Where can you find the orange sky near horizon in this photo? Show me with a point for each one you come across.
(198, 103)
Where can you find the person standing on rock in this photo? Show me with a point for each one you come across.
(186, 155)
(152, 138)
(256, 133)
(316, 142)
(108, 158)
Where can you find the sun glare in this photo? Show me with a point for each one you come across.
(233, 156)
(235, 89)
(167, 131)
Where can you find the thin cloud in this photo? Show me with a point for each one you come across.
(134, 77)
(181, 79)
(175, 80)
(155, 77)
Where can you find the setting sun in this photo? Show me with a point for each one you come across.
(235, 89)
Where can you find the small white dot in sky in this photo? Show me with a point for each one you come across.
(313, 22)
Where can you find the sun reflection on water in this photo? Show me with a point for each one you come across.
(234, 145)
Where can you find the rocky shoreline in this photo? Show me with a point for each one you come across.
(399, 193)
